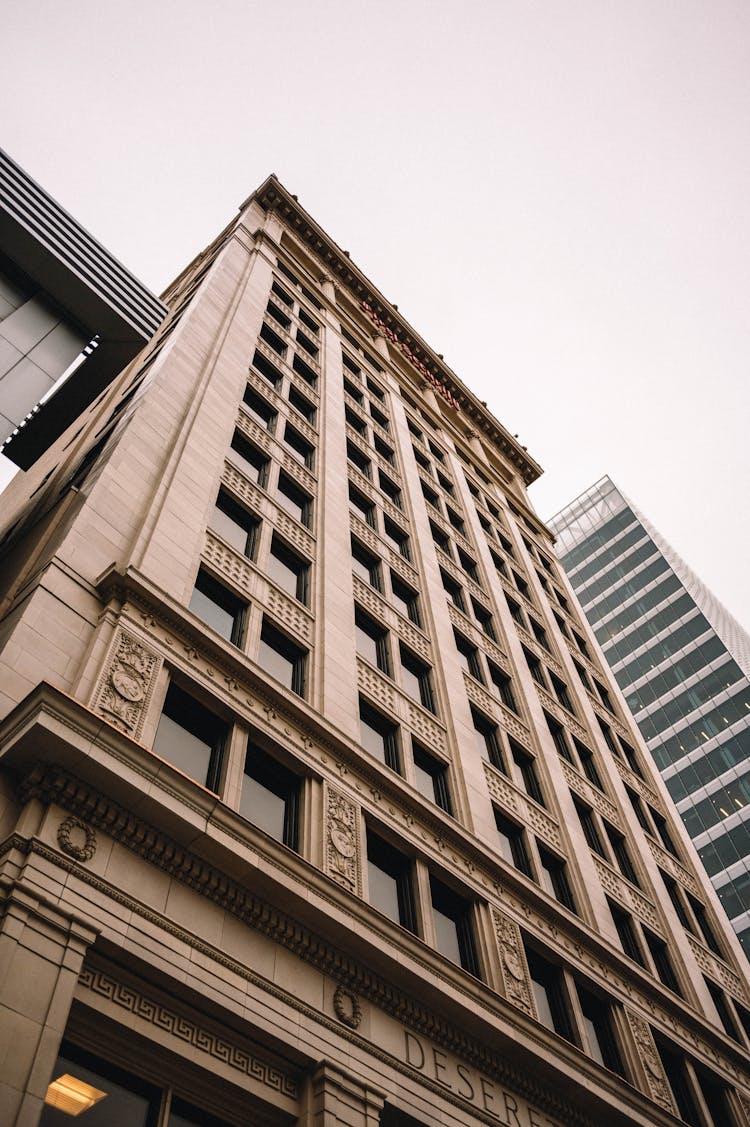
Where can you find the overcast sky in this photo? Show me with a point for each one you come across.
(555, 193)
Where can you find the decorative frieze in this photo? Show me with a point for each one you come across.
(289, 613)
(717, 969)
(638, 784)
(536, 648)
(513, 966)
(624, 892)
(584, 788)
(665, 860)
(342, 851)
(561, 713)
(125, 687)
(258, 435)
(229, 563)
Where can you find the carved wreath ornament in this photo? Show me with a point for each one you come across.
(347, 1007)
(76, 839)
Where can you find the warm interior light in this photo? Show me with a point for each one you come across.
(71, 1095)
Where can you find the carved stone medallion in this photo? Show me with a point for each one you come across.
(342, 840)
(127, 683)
(347, 1007)
(76, 838)
(513, 963)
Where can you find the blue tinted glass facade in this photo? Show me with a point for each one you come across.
(683, 665)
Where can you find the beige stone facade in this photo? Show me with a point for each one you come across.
(308, 813)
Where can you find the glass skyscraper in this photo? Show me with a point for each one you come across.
(683, 664)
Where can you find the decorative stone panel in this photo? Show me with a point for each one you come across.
(413, 637)
(259, 435)
(586, 789)
(293, 469)
(665, 860)
(624, 892)
(513, 966)
(293, 532)
(127, 683)
(243, 487)
(543, 824)
(638, 784)
(501, 789)
(288, 611)
(342, 846)
(532, 644)
(228, 563)
(375, 685)
(423, 724)
(717, 969)
(656, 1085)
(303, 386)
(561, 714)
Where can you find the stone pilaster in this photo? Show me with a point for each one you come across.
(335, 1099)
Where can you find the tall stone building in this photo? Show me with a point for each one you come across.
(683, 664)
(307, 815)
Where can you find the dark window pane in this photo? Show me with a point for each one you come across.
(190, 737)
(269, 796)
(125, 1100)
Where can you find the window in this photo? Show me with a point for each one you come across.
(272, 339)
(309, 346)
(550, 995)
(416, 679)
(701, 918)
(561, 692)
(453, 590)
(456, 521)
(631, 757)
(626, 933)
(379, 736)
(597, 1024)
(527, 772)
(191, 738)
(362, 506)
(515, 612)
(521, 585)
(391, 490)
(484, 618)
(282, 658)
(353, 367)
(589, 827)
(405, 599)
(278, 315)
(385, 451)
(282, 294)
(431, 777)
(726, 1017)
(662, 961)
(398, 537)
(445, 484)
(366, 566)
(535, 668)
(540, 634)
(378, 416)
(288, 570)
(261, 411)
(307, 320)
(430, 496)
(559, 738)
(390, 883)
(129, 1101)
(296, 502)
(303, 406)
(512, 843)
(268, 370)
(373, 388)
(468, 565)
(304, 370)
(436, 451)
(441, 538)
(249, 459)
(488, 741)
(372, 641)
(503, 687)
(235, 525)
(469, 656)
(588, 763)
(358, 459)
(270, 796)
(690, 1082)
(219, 608)
(621, 854)
(353, 391)
(454, 934)
(664, 833)
(299, 448)
(555, 878)
(355, 421)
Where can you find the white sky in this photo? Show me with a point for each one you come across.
(554, 192)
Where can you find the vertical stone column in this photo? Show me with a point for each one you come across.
(335, 1099)
(41, 954)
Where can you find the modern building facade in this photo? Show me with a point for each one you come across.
(307, 814)
(63, 297)
(683, 664)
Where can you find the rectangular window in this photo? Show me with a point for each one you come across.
(191, 738)
(600, 1035)
(676, 1072)
(416, 679)
(535, 668)
(353, 391)
(588, 763)
(282, 294)
(366, 566)
(454, 933)
(278, 315)
(372, 641)
(299, 448)
(235, 525)
(555, 878)
(249, 460)
(488, 741)
(358, 459)
(512, 844)
(355, 421)
(379, 736)
(621, 854)
(308, 345)
(453, 590)
(219, 608)
(527, 772)
(255, 405)
(373, 388)
(390, 882)
(441, 538)
(540, 634)
(308, 322)
(456, 521)
(515, 612)
(468, 565)
(304, 370)
(282, 659)
(550, 995)
(272, 339)
(590, 830)
(484, 618)
(362, 506)
(378, 417)
(397, 537)
(503, 687)
(430, 496)
(391, 490)
(386, 452)
(270, 796)
(468, 656)
(351, 365)
(561, 692)
(431, 777)
(296, 502)
(662, 962)
(701, 918)
(288, 570)
(405, 599)
(626, 933)
(303, 406)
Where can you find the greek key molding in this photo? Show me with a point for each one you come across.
(183, 1028)
(72, 828)
(342, 840)
(656, 1085)
(513, 966)
(125, 687)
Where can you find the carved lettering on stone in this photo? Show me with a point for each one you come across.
(513, 963)
(342, 840)
(127, 683)
(656, 1081)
